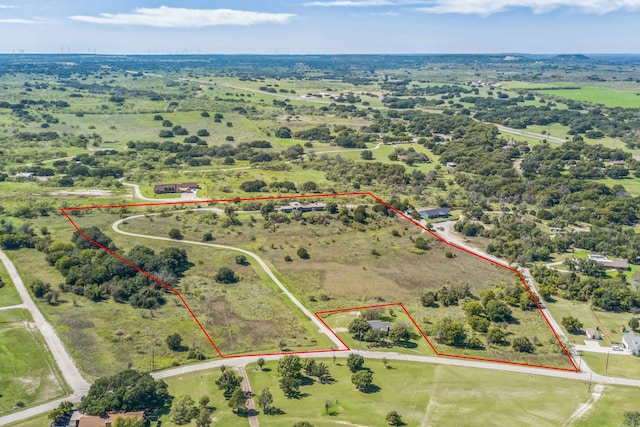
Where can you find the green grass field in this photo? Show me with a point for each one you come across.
(606, 96)
(27, 370)
(8, 293)
(425, 394)
(619, 365)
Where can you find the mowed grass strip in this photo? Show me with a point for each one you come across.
(8, 294)
(27, 371)
(424, 394)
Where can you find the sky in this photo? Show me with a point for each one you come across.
(319, 26)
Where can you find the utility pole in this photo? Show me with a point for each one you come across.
(590, 377)
(606, 366)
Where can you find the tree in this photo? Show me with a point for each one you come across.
(309, 187)
(302, 253)
(359, 328)
(61, 412)
(283, 132)
(496, 336)
(39, 288)
(176, 234)
(631, 418)
(366, 155)
(290, 386)
(174, 342)
(322, 372)
(226, 275)
(360, 214)
(474, 308)
(204, 418)
(498, 311)
(265, 399)
(355, 362)
(421, 244)
(522, 345)
(260, 363)
(241, 260)
(303, 424)
(128, 390)
(394, 419)
(128, 422)
(228, 382)
(289, 366)
(238, 401)
(183, 409)
(400, 332)
(571, 324)
(362, 380)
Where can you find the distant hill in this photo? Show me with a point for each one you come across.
(572, 57)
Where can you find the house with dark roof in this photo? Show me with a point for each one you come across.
(435, 213)
(379, 325)
(297, 206)
(187, 187)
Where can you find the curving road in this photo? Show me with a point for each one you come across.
(321, 326)
(79, 386)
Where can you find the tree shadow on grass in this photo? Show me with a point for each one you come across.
(274, 411)
(371, 389)
(406, 344)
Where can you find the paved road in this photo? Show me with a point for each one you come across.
(184, 197)
(321, 326)
(529, 134)
(251, 406)
(70, 373)
(11, 307)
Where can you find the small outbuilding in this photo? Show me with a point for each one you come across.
(593, 334)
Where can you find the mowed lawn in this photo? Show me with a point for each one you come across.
(608, 97)
(8, 293)
(27, 371)
(609, 410)
(424, 395)
(198, 384)
(619, 365)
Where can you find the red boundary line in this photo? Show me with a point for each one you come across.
(66, 212)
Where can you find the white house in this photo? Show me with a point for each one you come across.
(631, 342)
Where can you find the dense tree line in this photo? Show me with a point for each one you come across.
(94, 273)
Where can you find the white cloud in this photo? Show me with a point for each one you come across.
(350, 3)
(7, 6)
(18, 21)
(170, 17)
(489, 7)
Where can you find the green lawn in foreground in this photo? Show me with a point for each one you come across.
(199, 384)
(609, 410)
(620, 365)
(8, 293)
(425, 394)
(27, 371)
